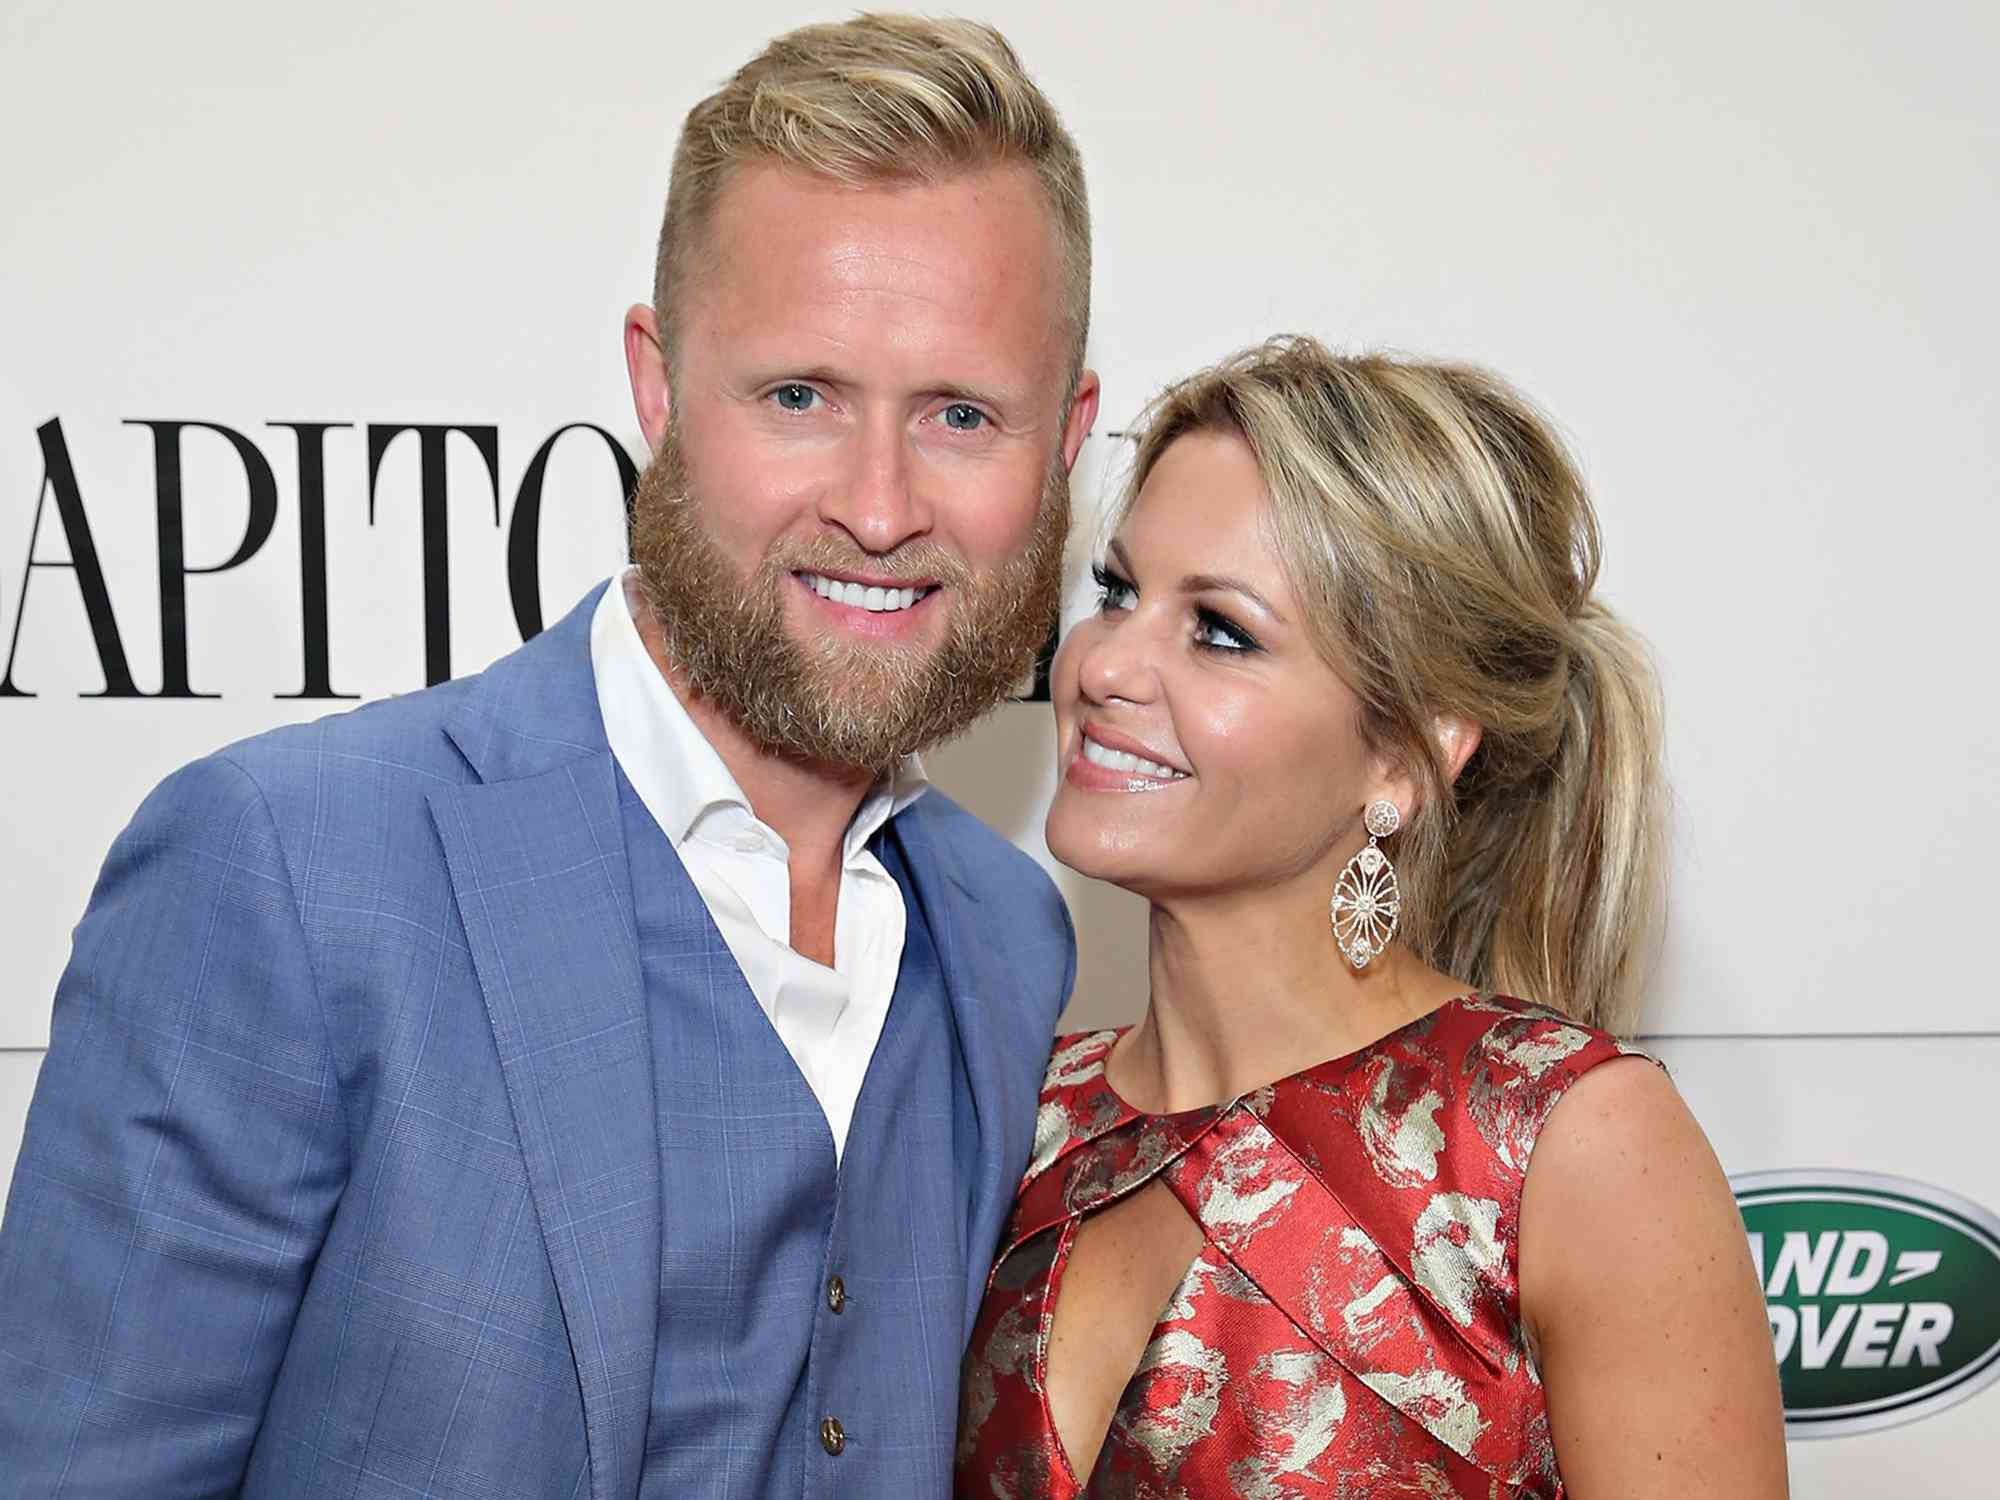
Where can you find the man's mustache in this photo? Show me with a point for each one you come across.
(920, 561)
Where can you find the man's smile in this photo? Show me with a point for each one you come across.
(873, 597)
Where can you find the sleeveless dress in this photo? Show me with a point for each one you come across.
(1351, 1326)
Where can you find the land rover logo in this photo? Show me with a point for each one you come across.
(1883, 1294)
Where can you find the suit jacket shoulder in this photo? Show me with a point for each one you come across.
(345, 788)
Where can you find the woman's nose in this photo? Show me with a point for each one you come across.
(1113, 661)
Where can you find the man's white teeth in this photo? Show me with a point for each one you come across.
(1127, 764)
(861, 596)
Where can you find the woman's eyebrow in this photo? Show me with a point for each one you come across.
(1204, 583)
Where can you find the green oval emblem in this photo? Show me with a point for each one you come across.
(1883, 1295)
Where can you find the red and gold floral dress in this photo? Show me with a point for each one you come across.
(1351, 1326)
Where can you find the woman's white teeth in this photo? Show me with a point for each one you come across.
(862, 596)
(1125, 763)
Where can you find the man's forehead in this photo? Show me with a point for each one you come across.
(965, 264)
(759, 196)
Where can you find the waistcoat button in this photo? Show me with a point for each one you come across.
(832, 1436)
(836, 1295)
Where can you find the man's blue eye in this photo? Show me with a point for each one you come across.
(795, 397)
(960, 417)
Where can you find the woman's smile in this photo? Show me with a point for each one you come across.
(1108, 761)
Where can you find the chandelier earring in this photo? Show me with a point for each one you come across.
(1366, 898)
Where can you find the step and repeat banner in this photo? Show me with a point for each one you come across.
(312, 394)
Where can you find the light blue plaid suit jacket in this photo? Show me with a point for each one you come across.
(351, 1062)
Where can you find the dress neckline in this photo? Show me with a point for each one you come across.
(1129, 1111)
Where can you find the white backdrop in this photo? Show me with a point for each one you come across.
(1742, 250)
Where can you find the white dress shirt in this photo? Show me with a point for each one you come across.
(828, 1019)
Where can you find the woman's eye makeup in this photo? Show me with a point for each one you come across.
(1113, 592)
(1217, 632)
(1213, 630)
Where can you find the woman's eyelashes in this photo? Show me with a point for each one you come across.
(1213, 630)
(1217, 632)
(1113, 592)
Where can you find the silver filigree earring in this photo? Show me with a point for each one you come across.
(1366, 899)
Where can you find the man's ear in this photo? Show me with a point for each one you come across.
(1082, 416)
(646, 366)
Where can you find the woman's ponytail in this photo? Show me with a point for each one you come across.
(1572, 896)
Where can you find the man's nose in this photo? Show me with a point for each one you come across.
(878, 499)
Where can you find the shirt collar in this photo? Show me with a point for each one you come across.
(675, 770)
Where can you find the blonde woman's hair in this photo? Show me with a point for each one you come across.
(880, 99)
(1442, 547)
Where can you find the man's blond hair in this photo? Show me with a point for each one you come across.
(880, 99)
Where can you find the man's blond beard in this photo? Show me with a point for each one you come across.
(847, 703)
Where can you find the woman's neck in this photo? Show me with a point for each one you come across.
(1247, 991)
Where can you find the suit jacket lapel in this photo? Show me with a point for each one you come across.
(1002, 1081)
(537, 860)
